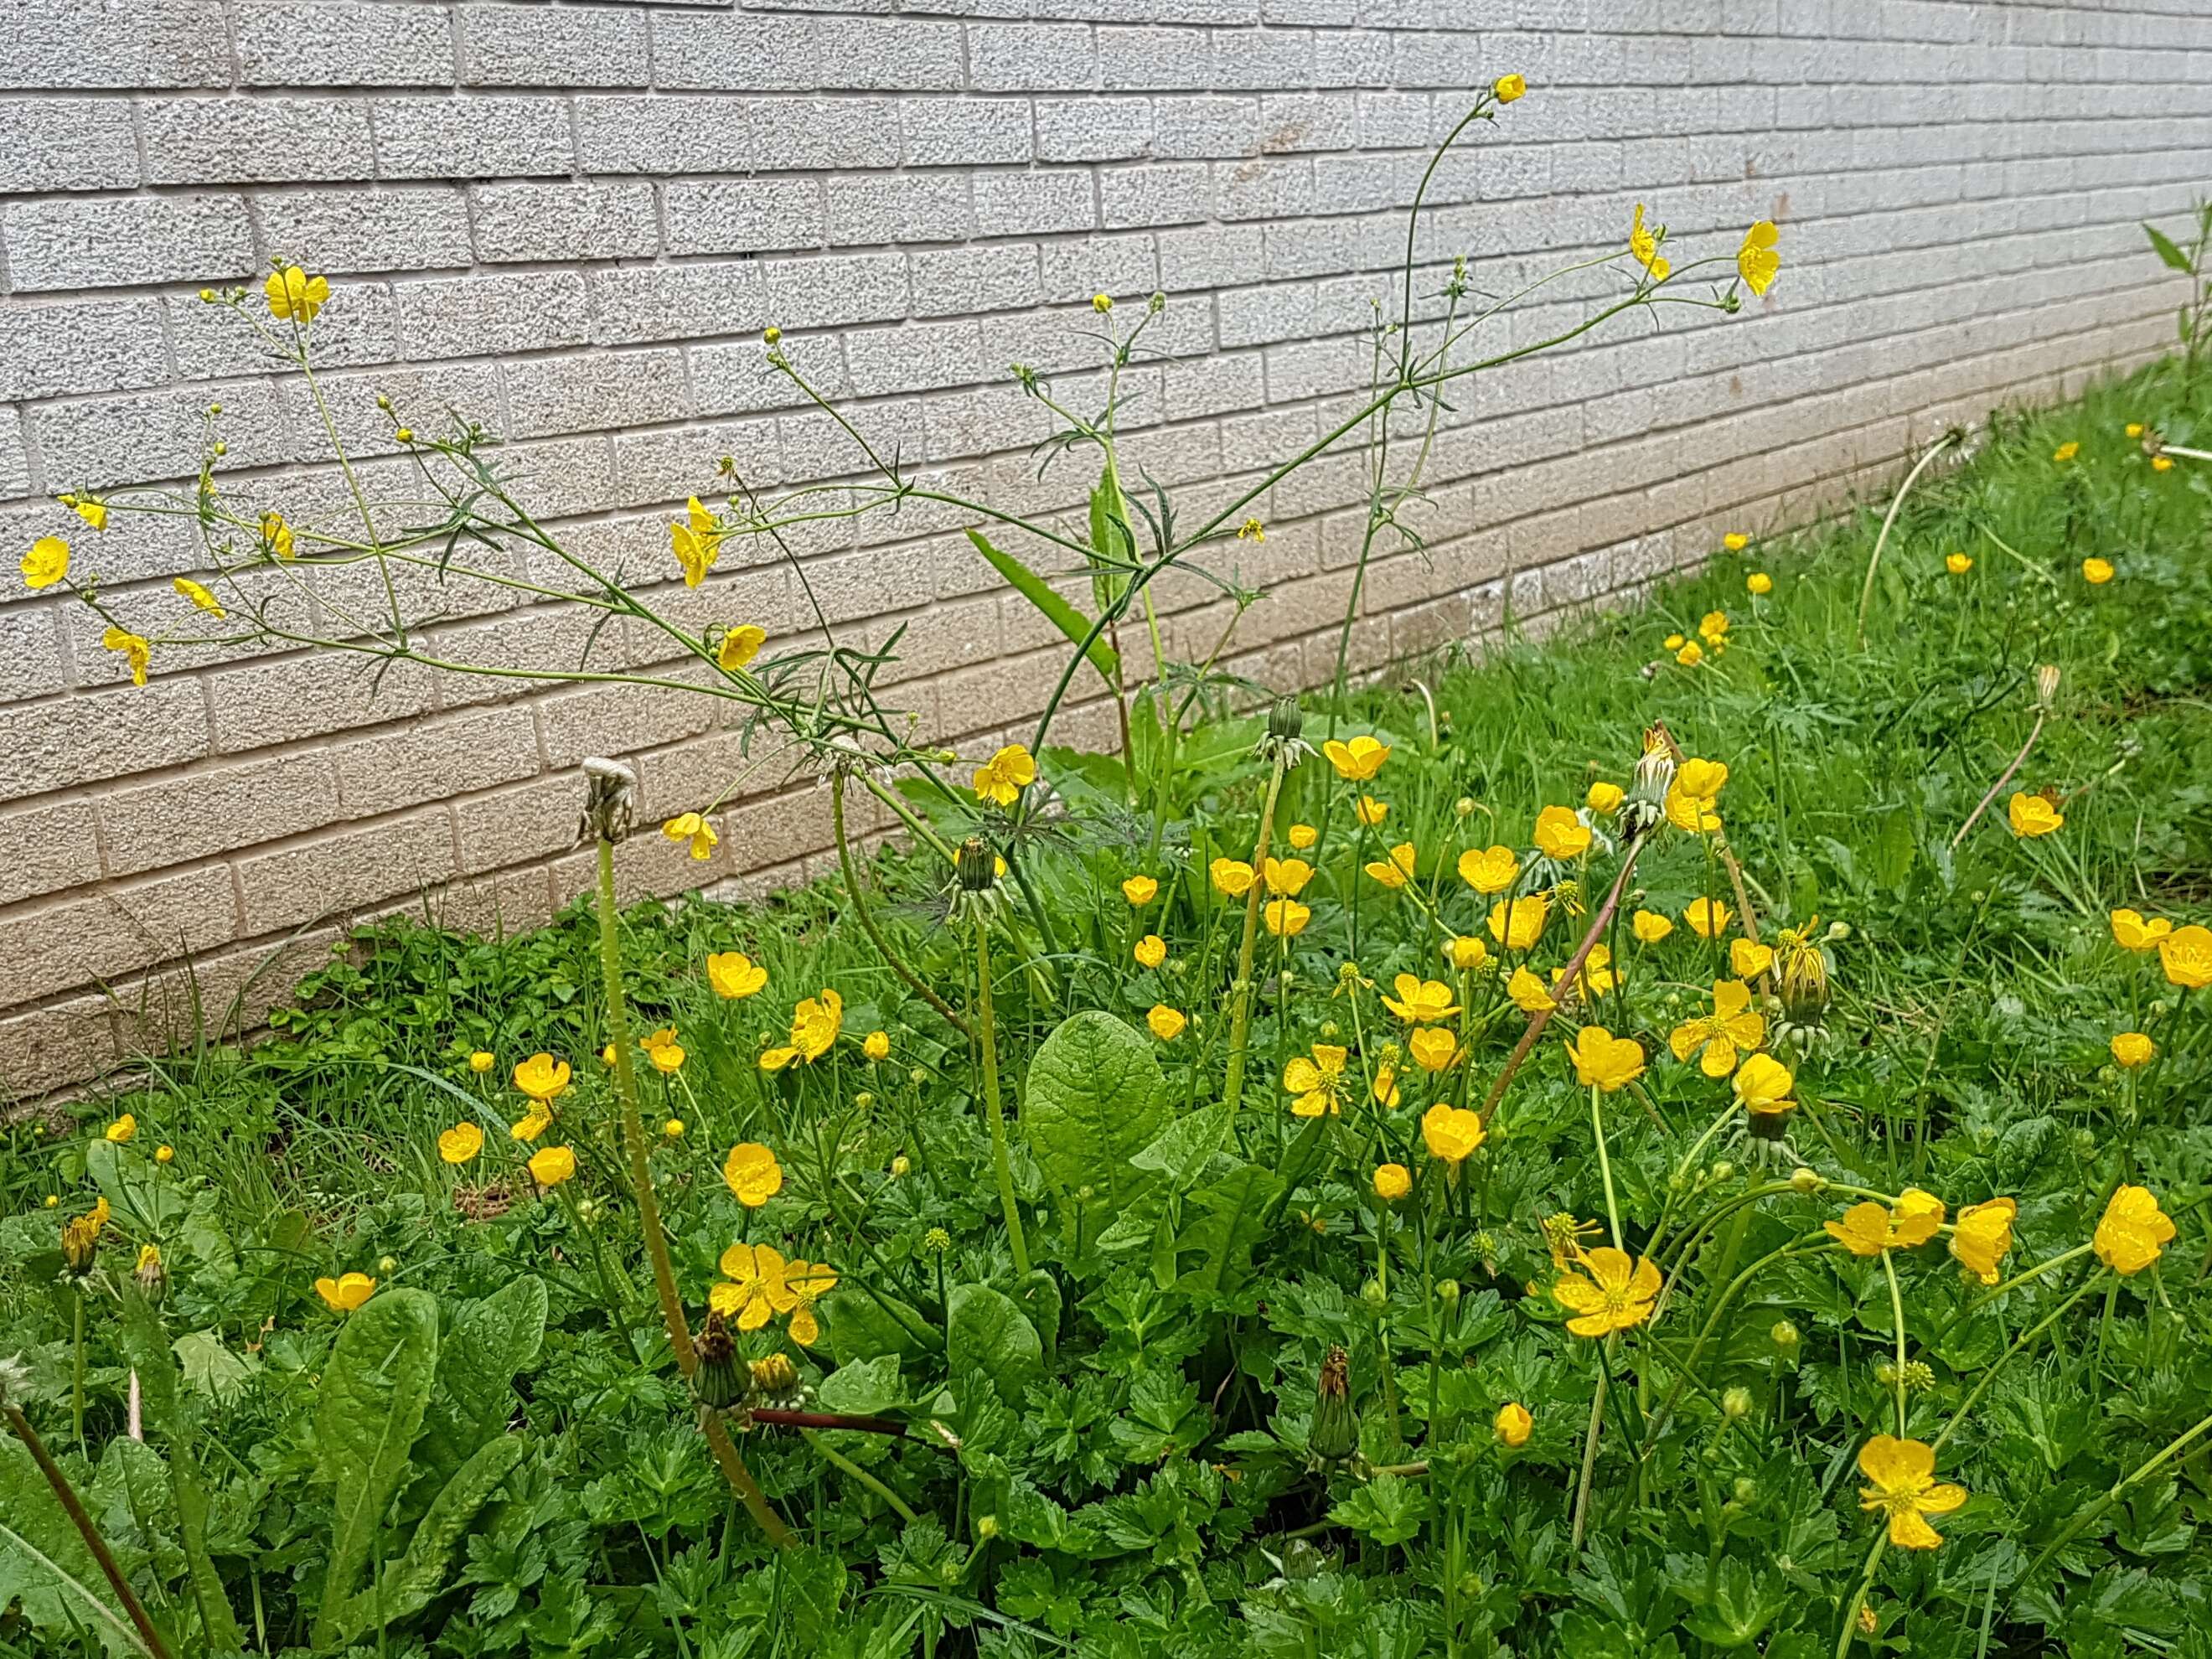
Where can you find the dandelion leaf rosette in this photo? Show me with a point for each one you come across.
(1095, 1100)
(986, 1332)
(44, 1563)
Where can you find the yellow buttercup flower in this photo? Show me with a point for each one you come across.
(1984, 1235)
(806, 1283)
(542, 1077)
(483, 1060)
(734, 974)
(1559, 834)
(815, 1024)
(1605, 798)
(2161, 463)
(1760, 582)
(1758, 261)
(1151, 950)
(1432, 1047)
(753, 1287)
(1616, 1295)
(277, 535)
(1713, 626)
(533, 1123)
(2185, 954)
(673, 1128)
(1735, 541)
(1419, 1001)
(1392, 1182)
(123, 1130)
(2032, 815)
(46, 563)
(1649, 927)
(1705, 779)
(549, 1166)
(1906, 1490)
(1451, 1133)
(696, 542)
(1385, 1087)
(1691, 654)
(666, 1052)
(295, 294)
(1491, 870)
(199, 596)
(1693, 815)
(1868, 1228)
(1231, 877)
(1508, 88)
(1285, 917)
(2132, 931)
(1467, 953)
(1748, 958)
(1733, 1028)
(752, 1174)
(739, 646)
(1358, 761)
(1317, 1080)
(2067, 451)
(1251, 530)
(1141, 890)
(2096, 572)
(165, 1155)
(2131, 1049)
(1165, 1022)
(460, 1144)
(1398, 869)
(1512, 1425)
(1516, 925)
(1763, 1086)
(694, 828)
(346, 1293)
(1002, 779)
(1371, 811)
(91, 511)
(1957, 563)
(1288, 876)
(1708, 918)
(136, 650)
(1528, 993)
(1303, 836)
(2134, 1233)
(1605, 1061)
(1644, 245)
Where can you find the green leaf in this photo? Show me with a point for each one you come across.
(412, 1582)
(125, 1178)
(1234, 1216)
(1095, 1100)
(986, 1332)
(1186, 1146)
(43, 1562)
(857, 1326)
(1054, 610)
(374, 1391)
(489, 1341)
(2162, 245)
(1388, 1509)
(863, 1388)
(211, 1369)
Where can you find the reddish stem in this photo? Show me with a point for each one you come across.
(784, 1419)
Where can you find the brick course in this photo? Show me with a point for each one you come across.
(571, 221)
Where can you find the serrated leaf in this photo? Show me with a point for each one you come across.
(488, 1343)
(1234, 1212)
(1388, 1508)
(211, 1369)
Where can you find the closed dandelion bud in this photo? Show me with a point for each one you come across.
(1784, 1335)
(716, 1381)
(2046, 685)
(775, 1376)
(1335, 1433)
(1735, 1404)
(152, 1276)
(81, 1242)
(974, 867)
(900, 1167)
(1285, 719)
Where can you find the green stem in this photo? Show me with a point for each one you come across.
(1897, 1314)
(649, 1206)
(76, 1369)
(1989, 1376)
(856, 890)
(987, 1030)
(1873, 560)
(1858, 1596)
(1605, 1169)
(1239, 1022)
(829, 1455)
(66, 1496)
(2172, 1449)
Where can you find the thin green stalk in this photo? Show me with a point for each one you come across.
(855, 889)
(76, 1366)
(1605, 1169)
(1858, 1596)
(1897, 1314)
(904, 1510)
(987, 1030)
(1982, 1385)
(1240, 1020)
(649, 1206)
(1873, 560)
(2143, 1472)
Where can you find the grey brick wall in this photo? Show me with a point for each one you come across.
(571, 220)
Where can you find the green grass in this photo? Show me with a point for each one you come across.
(1140, 1458)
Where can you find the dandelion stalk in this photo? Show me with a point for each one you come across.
(607, 812)
(65, 1495)
(987, 1032)
(1240, 1019)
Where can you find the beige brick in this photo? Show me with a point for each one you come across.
(272, 702)
(335, 874)
(84, 737)
(46, 848)
(201, 812)
(514, 825)
(51, 1047)
(112, 931)
(431, 759)
(220, 997)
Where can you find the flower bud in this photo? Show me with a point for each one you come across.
(1448, 1292)
(1744, 1491)
(387, 1266)
(775, 1376)
(1784, 1335)
(1373, 1294)
(715, 1382)
(1724, 1170)
(152, 1277)
(975, 866)
(1803, 1180)
(1512, 1425)
(1464, 807)
(610, 800)
(900, 1167)
(987, 1526)
(1335, 1433)
(1735, 1404)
